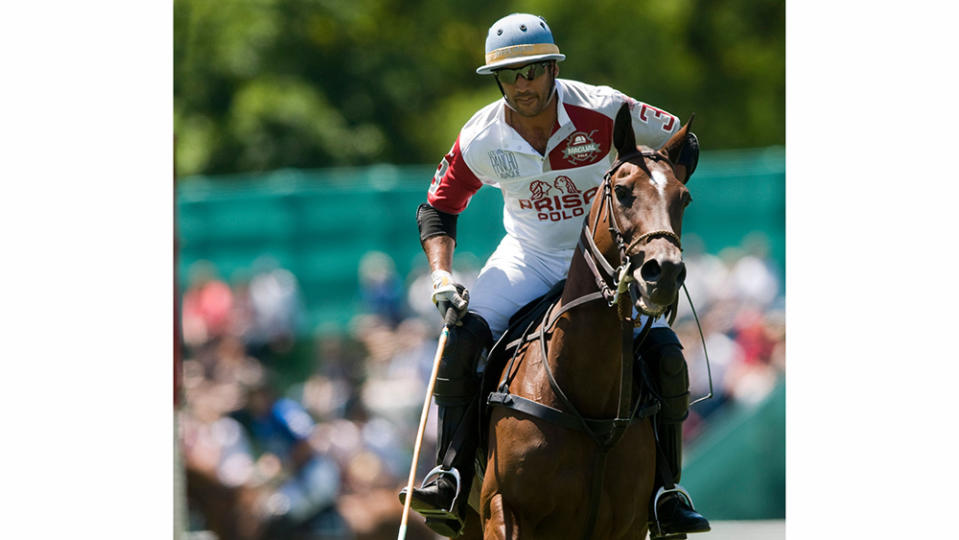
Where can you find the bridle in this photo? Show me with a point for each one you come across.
(614, 282)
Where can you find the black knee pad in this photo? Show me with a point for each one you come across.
(456, 380)
(671, 361)
(663, 355)
(662, 350)
(657, 337)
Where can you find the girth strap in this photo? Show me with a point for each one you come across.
(595, 491)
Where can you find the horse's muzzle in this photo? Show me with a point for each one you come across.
(658, 281)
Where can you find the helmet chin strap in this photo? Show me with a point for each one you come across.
(505, 99)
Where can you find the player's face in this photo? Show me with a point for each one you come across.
(528, 88)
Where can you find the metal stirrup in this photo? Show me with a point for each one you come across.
(663, 491)
(439, 471)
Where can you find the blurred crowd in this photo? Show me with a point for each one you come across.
(322, 456)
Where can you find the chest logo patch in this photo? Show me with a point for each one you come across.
(538, 189)
(504, 163)
(557, 202)
(580, 147)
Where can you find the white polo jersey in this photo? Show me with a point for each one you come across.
(545, 197)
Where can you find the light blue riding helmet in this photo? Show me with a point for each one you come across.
(519, 38)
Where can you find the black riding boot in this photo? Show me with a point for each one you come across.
(672, 513)
(443, 495)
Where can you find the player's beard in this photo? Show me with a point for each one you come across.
(533, 106)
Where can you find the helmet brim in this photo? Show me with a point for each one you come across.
(489, 68)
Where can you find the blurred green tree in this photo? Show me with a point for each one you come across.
(266, 84)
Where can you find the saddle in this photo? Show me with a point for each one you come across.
(521, 324)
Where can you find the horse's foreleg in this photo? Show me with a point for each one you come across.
(471, 527)
(502, 523)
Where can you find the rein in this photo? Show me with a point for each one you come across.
(615, 286)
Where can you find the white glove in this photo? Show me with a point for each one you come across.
(450, 297)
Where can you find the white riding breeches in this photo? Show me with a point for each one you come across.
(514, 276)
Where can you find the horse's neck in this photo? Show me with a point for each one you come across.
(586, 347)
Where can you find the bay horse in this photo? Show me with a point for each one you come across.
(552, 470)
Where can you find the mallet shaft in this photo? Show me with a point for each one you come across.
(419, 432)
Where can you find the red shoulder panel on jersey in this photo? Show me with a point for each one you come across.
(588, 144)
(453, 184)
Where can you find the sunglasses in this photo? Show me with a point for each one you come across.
(528, 72)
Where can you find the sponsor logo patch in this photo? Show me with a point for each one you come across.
(558, 201)
(580, 147)
(565, 184)
(538, 190)
(504, 163)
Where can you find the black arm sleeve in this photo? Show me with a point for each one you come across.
(432, 222)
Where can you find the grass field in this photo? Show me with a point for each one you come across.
(722, 530)
(745, 530)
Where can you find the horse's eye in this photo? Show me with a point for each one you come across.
(624, 195)
(687, 198)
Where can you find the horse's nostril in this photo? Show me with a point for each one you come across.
(650, 271)
(681, 278)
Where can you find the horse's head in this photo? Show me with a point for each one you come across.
(646, 193)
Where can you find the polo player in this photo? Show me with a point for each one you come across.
(545, 145)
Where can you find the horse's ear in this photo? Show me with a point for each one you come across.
(682, 149)
(623, 136)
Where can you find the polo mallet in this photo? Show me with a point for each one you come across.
(449, 321)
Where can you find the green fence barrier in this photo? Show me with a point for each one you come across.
(319, 223)
(737, 469)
